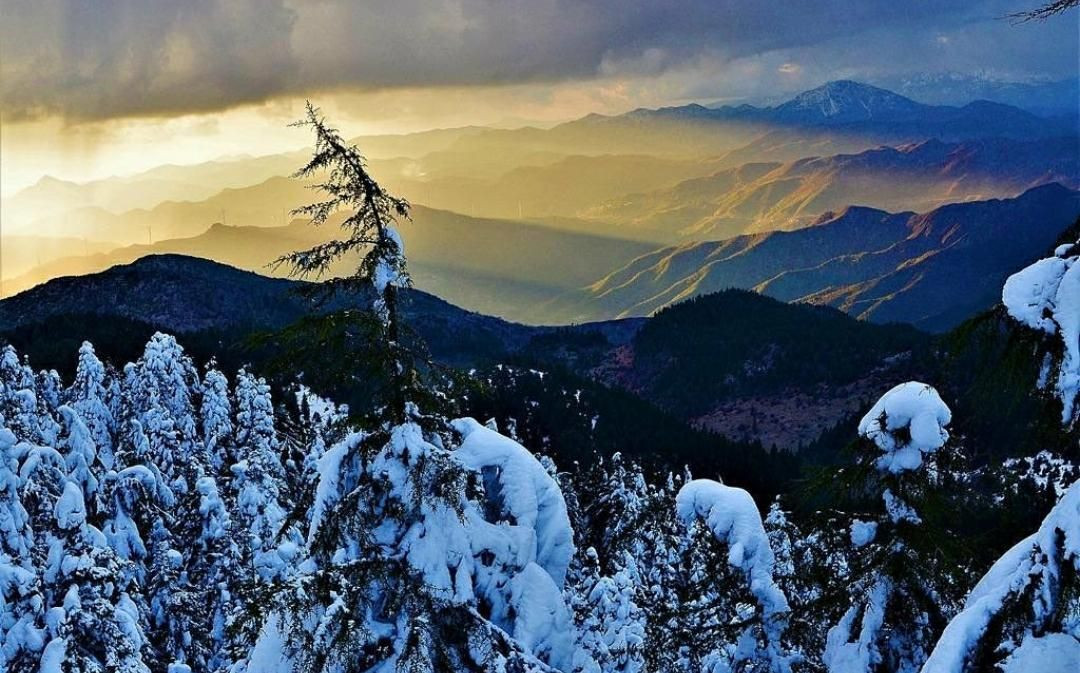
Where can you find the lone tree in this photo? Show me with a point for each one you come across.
(370, 232)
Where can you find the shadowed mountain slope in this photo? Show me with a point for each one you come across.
(933, 269)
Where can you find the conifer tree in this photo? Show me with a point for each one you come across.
(258, 477)
(610, 624)
(370, 230)
(88, 396)
(20, 600)
(899, 579)
(417, 557)
(741, 614)
(93, 622)
(1024, 614)
(215, 418)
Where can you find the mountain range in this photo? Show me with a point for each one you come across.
(488, 265)
(767, 196)
(766, 360)
(932, 269)
(736, 363)
(610, 216)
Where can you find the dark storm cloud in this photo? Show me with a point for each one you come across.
(94, 59)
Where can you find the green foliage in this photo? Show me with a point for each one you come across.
(369, 229)
(575, 420)
(737, 342)
(989, 368)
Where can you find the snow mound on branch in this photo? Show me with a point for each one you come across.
(1035, 560)
(1052, 653)
(907, 423)
(1046, 296)
(863, 532)
(732, 516)
(845, 654)
(528, 494)
(71, 507)
(328, 490)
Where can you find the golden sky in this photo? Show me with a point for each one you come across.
(91, 89)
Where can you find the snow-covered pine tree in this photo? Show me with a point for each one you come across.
(80, 453)
(21, 608)
(19, 403)
(899, 583)
(611, 627)
(50, 390)
(156, 507)
(215, 419)
(1046, 297)
(807, 562)
(1024, 614)
(401, 569)
(616, 514)
(88, 395)
(257, 480)
(159, 395)
(745, 612)
(85, 613)
(212, 569)
(92, 621)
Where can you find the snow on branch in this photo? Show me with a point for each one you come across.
(907, 423)
(1046, 296)
(733, 517)
(528, 493)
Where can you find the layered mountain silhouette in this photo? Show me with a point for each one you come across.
(501, 267)
(734, 362)
(856, 106)
(770, 350)
(932, 269)
(767, 196)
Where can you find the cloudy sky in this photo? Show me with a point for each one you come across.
(92, 87)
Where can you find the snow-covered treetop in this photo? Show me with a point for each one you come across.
(907, 423)
(528, 492)
(733, 517)
(1046, 296)
(1036, 561)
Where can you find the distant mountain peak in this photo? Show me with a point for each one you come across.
(847, 100)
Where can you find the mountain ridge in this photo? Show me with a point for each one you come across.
(866, 261)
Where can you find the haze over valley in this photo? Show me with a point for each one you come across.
(576, 222)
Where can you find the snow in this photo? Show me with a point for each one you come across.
(845, 655)
(269, 654)
(320, 408)
(1037, 561)
(527, 492)
(386, 270)
(1046, 296)
(71, 507)
(1052, 653)
(541, 621)
(328, 488)
(898, 510)
(52, 659)
(732, 516)
(906, 424)
(863, 532)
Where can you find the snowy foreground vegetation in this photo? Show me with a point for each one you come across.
(156, 519)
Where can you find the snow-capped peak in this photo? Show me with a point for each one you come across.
(845, 100)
